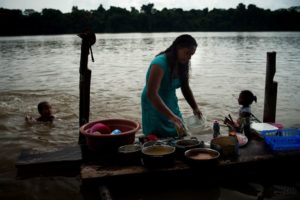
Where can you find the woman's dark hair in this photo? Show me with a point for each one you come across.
(182, 41)
(248, 97)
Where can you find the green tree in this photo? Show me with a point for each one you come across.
(148, 19)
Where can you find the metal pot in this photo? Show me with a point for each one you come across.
(158, 155)
(228, 146)
(202, 157)
(186, 144)
(130, 154)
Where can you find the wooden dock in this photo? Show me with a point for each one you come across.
(62, 162)
(255, 163)
(105, 176)
(254, 158)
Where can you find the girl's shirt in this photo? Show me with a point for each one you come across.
(245, 111)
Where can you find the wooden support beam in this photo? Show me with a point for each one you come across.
(270, 89)
(88, 39)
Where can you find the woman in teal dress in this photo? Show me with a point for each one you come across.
(168, 71)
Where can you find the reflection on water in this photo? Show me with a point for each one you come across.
(37, 68)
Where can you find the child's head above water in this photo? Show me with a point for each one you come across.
(44, 108)
(45, 111)
(246, 98)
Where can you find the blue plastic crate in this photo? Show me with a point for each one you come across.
(280, 132)
(283, 143)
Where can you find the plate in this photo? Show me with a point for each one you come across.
(242, 139)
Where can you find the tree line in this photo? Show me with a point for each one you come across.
(147, 19)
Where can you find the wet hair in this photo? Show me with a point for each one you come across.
(182, 41)
(42, 105)
(248, 97)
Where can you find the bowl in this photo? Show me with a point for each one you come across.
(108, 143)
(194, 124)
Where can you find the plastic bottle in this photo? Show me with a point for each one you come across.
(216, 128)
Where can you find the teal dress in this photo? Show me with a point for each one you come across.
(153, 121)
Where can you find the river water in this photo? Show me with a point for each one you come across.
(37, 68)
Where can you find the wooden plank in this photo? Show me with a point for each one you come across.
(65, 162)
(90, 171)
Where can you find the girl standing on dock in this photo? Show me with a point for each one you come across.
(168, 71)
(245, 99)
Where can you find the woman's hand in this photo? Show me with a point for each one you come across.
(179, 126)
(197, 113)
(177, 122)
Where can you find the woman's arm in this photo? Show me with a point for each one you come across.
(189, 97)
(154, 81)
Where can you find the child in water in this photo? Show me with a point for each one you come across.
(45, 110)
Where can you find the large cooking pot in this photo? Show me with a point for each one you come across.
(183, 145)
(158, 155)
(202, 157)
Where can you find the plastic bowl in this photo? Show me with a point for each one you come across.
(194, 124)
(110, 142)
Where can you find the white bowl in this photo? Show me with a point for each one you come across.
(194, 124)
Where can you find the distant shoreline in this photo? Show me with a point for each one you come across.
(148, 20)
(2, 36)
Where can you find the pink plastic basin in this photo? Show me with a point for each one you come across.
(110, 142)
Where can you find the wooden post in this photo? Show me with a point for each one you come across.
(88, 39)
(270, 89)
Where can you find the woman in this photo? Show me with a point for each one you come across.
(168, 71)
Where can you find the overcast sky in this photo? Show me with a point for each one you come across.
(66, 5)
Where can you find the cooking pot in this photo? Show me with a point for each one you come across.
(158, 155)
(186, 144)
(228, 146)
(130, 154)
(202, 157)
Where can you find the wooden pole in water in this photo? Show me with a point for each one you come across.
(88, 39)
(270, 89)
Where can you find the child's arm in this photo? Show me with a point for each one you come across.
(30, 119)
(231, 123)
